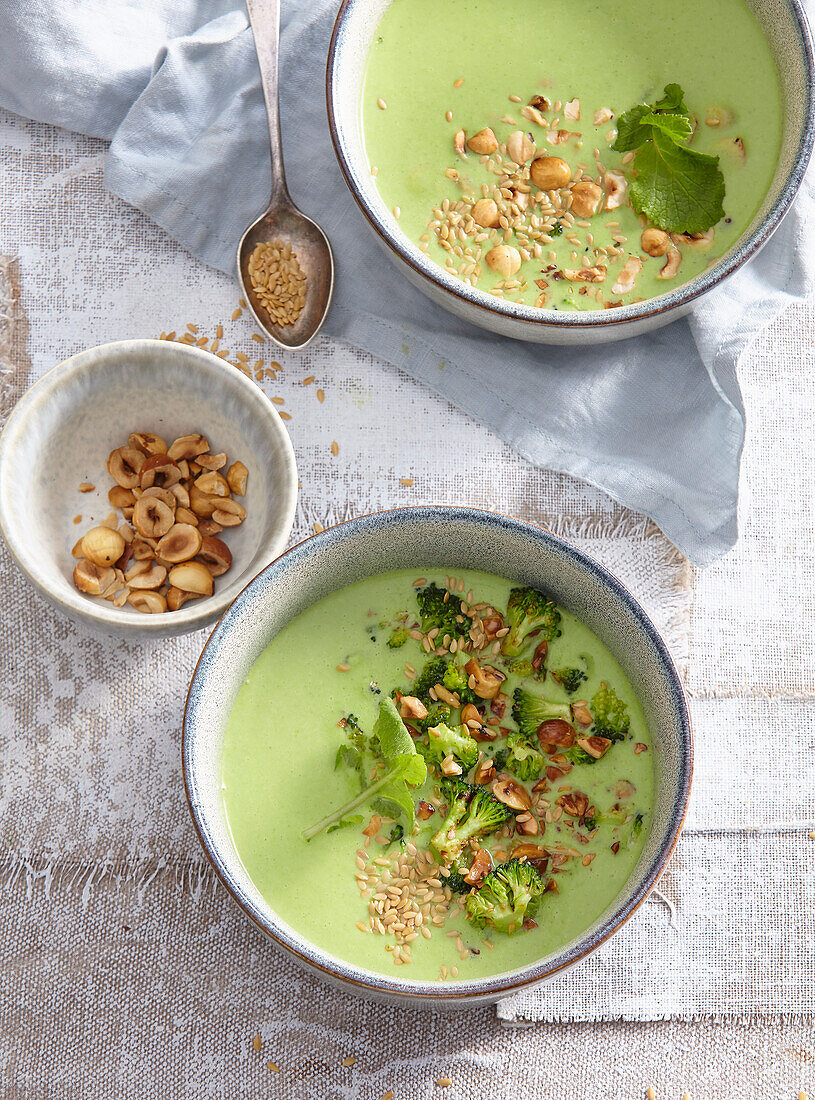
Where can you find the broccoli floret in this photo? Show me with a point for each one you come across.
(443, 740)
(529, 711)
(456, 881)
(472, 811)
(398, 638)
(507, 897)
(442, 670)
(529, 613)
(569, 679)
(436, 612)
(611, 718)
(524, 759)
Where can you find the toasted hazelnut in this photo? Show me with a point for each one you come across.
(181, 543)
(603, 115)
(550, 173)
(208, 528)
(484, 142)
(574, 803)
(188, 446)
(479, 868)
(556, 733)
(120, 497)
(504, 259)
(103, 546)
(485, 213)
(670, 268)
(469, 713)
(150, 603)
(152, 518)
(176, 598)
(411, 707)
(192, 576)
(77, 551)
(530, 852)
(526, 824)
(125, 465)
(209, 462)
(699, 242)
(217, 556)
(586, 197)
(520, 147)
(512, 794)
(184, 467)
(181, 494)
(202, 503)
(142, 551)
(425, 810)
(655, 242)
(213, 484)
(159, 470)
(571, 110)
(185, 515)
(484, 772)
(229, 513)
(732, 147)
(616, 186)
(487, 680)
(153, 577)
(582, 714)
(627, 276)
(148, 442)
(93, 579)
(595, 746)
(236, 477)
(165, 495)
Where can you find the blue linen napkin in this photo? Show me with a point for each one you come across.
(656, 421)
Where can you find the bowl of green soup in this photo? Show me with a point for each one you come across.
(571, 173)
(437, 755)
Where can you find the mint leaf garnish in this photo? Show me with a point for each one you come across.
(680, 190)
(405, 769)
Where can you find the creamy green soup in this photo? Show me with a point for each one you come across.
(315, 693)
(561, 74)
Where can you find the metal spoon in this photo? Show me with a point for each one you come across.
(282, 221)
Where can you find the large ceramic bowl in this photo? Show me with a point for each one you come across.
(785, 26)
(65, 426)
(419, 538)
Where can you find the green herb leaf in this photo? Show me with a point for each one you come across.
(357, 819)
(680, 190)
(391, 731)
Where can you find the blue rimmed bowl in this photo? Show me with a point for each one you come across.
(423, 538)
(786, 29)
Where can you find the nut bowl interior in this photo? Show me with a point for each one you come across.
(786, 29)
(61, 433)
(422, 538)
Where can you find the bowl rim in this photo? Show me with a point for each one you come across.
(492, 987)
(96, 612)
(672, 300)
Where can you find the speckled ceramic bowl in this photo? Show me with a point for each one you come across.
(419, 538)
(63, 429)
(787, 31)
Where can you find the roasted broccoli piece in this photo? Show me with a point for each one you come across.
(507, 897)
(524, 759)
(569, 679)
(442, 670)
(434, 611)
(611, 718)
(472, 811)
(530, 710)
(455, 880)
(398, 638)
(529, 614)
(442, 740)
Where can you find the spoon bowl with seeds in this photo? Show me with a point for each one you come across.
(285, 263)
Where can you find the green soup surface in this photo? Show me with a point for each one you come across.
(281, 774)
(441, 68)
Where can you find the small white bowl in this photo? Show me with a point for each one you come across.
(63, 429)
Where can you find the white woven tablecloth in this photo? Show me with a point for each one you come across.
(122, 966)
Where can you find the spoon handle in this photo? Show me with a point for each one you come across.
(264, 18)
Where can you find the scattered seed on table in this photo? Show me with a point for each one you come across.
(86, 487)
(443, 1082)
(236, 313)
(219, 331)
(335, 447)
(257, 338)
(349, 1061)
(273, 1066)
(192, 327)
(309, 380)
(406, 481)
(256, 1042)
(77, 519)
(279, 400)
(321, 396)
(283, 415)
